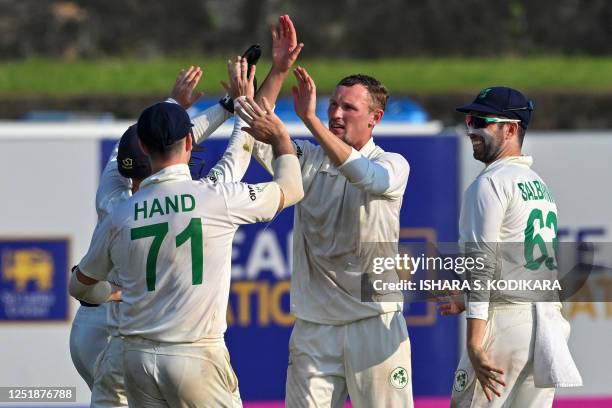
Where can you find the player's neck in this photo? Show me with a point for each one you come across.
(510, 151)
(160, 165)
(135, 185)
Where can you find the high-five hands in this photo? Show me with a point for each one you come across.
(304, 94)
(285, 47)
(241, 81)
(263, 123)
(186, 82)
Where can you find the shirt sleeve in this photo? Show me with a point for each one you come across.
(482, 217)
(250, 203)
(235, 160)
(113, 188)
(385, 176)
(208, 121)
(97, 262)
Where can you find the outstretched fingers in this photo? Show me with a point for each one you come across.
(247, 111)
(266, 105)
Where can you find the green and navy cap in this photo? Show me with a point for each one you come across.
(503, 101)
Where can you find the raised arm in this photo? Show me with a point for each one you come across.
(235, 160)
(285, 51)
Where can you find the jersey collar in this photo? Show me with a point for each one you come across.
(526, 161)
(176, 172)
(368, 147)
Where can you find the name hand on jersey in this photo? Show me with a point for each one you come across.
(176, 203)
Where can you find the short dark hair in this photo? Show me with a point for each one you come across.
(521, 134)
(378, 92)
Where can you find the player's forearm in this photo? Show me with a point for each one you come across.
(87, 289)
(282, 146)
(337, 151)
(208, 121)
(478, 296)
(235, 160)
(475, 333)
(271, 86)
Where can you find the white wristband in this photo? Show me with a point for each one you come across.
(288, 175)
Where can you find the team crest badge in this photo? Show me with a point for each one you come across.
(461, 380)
(399, 378)
(127, 163)
(484, 93)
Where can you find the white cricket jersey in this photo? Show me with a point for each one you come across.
(172, 244)
(343, 211)
(114, 188)
(504, 211)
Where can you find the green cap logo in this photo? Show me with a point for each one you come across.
(484, 93)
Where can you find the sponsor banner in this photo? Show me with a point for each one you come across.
(258, 315)
(33, 279)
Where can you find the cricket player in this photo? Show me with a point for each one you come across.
(353, 194)
(121, 177)
(507, 207)
(171, 244)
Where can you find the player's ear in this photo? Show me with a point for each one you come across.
(189, 142)
(377, 116)
(511, 130)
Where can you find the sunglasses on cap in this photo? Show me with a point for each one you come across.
(478, 122)
(529, 107)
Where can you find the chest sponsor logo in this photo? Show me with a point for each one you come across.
(252, 194)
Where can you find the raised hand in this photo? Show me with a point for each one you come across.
(186, 82)
(285, 47)
(263, 123)
(241, 81)
(304, 94)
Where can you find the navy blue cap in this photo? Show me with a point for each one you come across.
(163, 124)
(131, 160)
(503, 101)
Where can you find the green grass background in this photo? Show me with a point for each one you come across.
(41, 77)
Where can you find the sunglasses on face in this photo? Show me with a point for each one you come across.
(478, 122)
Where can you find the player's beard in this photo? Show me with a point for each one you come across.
(490, 147)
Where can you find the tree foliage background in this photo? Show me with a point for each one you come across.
(343, 28)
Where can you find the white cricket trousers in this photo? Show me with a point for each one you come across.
(367, 359)
(89, 335)
(109, 385)
(178, 375)
(508, 341)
